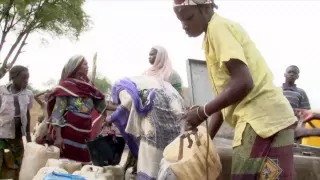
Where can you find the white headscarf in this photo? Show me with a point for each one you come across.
(162, 67)
(191, 2)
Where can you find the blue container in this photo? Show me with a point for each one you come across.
(61, 176)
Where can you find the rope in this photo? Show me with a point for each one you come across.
(207, 148)
(207, 155)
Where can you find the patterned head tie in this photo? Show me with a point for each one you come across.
(191, 2)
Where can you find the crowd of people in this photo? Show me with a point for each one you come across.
(149, 109)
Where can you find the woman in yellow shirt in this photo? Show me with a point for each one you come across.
(246, 97)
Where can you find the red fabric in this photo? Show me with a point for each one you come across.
(96, 128)
(81, 89)
(76, 154)
(75, 137)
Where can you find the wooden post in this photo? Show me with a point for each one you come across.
(94, 67)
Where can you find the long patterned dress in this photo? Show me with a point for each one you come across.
(74, 115)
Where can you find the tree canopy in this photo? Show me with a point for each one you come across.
(23, 17)
(102, 83)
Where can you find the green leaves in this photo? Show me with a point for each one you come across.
(102, 83)
(55, 17)
(58, 17)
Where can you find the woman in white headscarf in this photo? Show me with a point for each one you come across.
(162, 67)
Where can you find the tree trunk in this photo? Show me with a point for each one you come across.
(5, 67)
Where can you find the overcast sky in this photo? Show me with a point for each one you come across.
(286, 32)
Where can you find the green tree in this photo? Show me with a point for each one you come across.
(24, 17)
(102, 83)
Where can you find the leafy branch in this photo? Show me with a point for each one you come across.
(24, 17)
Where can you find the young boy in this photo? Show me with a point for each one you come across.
(246, 97)
(296, 96)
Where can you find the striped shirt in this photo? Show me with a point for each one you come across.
(296, 96)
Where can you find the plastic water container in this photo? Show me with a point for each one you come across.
(62, 176)
(46, 170)
(35, 157)
(312, 140)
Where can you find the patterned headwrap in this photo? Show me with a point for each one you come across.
(73, 63)
(191, 2)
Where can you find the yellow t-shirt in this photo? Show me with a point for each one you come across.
(264, 108)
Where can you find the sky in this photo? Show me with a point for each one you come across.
(123, 32)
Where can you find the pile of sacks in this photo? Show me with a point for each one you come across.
(43, 163)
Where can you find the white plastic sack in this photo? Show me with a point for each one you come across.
(77, 173)
(165, 172)
(66, 164)
(35, 157)
(93, 173)
(189, 165)
(114, 172)
(46, 170)
(101, 173)
(40, 130)
(128, 175)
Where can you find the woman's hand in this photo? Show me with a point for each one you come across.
(107, 122)
(192, 118)
(59, 143)
(305, 114)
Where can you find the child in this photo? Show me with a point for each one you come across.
(246, 97)
(296, 96)
(16, 101)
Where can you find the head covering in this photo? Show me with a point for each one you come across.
(71, 66)
(161, 67)
(191, 2)
(16, 70)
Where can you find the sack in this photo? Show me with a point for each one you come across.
(40, 130)
(62, 176)
(69, 165)
(93, 173)
(106, 150)
(129, 175)
(77, 173)
(35, 157)
(101, 173)
(186, 156)
(165, 172)
(114, 172)
(46, 170)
